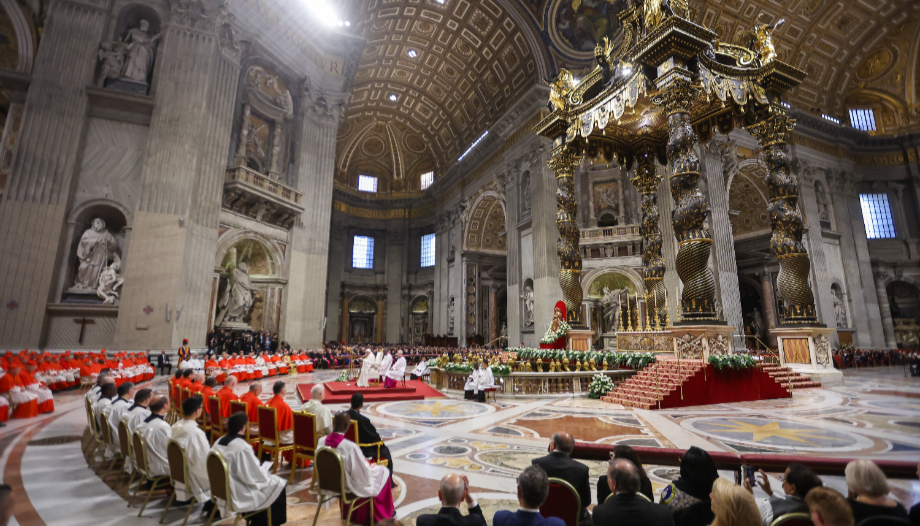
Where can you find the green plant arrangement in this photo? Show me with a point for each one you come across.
(432, 363)
(458, 368)
(343, 377)
(601, 384)
(735, 362)
(500, 370)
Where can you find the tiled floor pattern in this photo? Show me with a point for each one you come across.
(876, 415)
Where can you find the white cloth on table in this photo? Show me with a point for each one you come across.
(322, 416)
(361, 478)
(156, 435)
(195, 443)
(398, 370)
(252, 487)
(386, 364)
(485, 380)
(471, 381)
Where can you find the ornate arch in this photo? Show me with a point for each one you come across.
(83, 207)
(480, 231)
(271, 247)
(589, 277)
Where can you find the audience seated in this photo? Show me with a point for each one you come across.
(226, 396)
(252, 486)
(133, 416)
(195, 443)
(558, 465)
(798, 480)
(252, 401)
(106, 397)
(156, 433)
(114, 411)
(869, 492)
(829, 508)
(454, 490)
(284, 417)
(733, 506)
(688, 497)
(627, 452)
(361, 478)
(627, 508)
(367, 433)
(532, 489)
(321, 413)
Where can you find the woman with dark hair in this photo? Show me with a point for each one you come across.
(688, 497)
(627, 452)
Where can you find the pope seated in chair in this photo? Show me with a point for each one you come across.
(361, 477)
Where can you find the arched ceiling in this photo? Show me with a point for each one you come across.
(471, 60)
(485, 231)
(748, 196)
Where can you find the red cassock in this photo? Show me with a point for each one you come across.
(206, 392)
(282, 365)
(27, 379)
(226, 396)
(284, 418)
(252, 403)
(26, 410)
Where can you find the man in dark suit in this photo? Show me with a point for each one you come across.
(454, 489)
(559, 465)
(533, 487)
(368, 433)
(628, 508)
(163, 363)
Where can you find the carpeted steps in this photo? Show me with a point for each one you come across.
(788, 378)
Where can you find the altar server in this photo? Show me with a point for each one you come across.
(195, 443)
(485, 381)
(396, 372)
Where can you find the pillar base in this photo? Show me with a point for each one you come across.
(807, 351)
(698, 342)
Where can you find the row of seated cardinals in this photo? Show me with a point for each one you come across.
(252, 367)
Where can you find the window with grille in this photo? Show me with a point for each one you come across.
(876, 211)
(367, 183)
(862, 119)
(427, 179)
(428, 242)
(362, 254)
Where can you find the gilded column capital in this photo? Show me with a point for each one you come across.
(774, 127)
(677, 97)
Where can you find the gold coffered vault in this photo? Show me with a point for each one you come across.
(657, 95)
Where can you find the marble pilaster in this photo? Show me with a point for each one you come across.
(545, 233)
(768, 304)
(395, 273)
(669, 245)
(881, 289)
(824, 301)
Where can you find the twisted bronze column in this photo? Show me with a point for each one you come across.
(697, 301)
(563, 165)
(646, 182)
(774, 131)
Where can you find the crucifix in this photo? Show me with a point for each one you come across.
(83, 323)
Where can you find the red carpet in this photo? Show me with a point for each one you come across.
(340, 392)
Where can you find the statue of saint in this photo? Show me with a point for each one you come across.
(96, 247)
(237, 299)
(527, 296)
(560, 89)
(139, 53)
(611, 303)
(757, 323)
(557, 320)
(763, 41)
(110, 281)
(840, 311)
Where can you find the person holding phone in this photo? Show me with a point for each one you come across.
(797, 481)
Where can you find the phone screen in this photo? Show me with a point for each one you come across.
(750, 472)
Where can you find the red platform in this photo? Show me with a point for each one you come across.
(340, 392)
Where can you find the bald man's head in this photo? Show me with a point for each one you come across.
(563, 442)
(451, 491)
(255, 388)
(230, 381)
(341, 421)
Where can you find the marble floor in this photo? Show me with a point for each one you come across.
(875, 415)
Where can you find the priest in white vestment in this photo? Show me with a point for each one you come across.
(385, 364)
(469, 388)
(396, 372)
(322, 416)
(420, 370)
(114, 411)
(107, 396)
(486, 380)
(132, 417)
(156, 433)
(361, 478)
(369, 369)
(252, 486)
(195, 443)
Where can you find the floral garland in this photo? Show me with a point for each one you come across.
(552, 336)
(601, 384)
(736, 362)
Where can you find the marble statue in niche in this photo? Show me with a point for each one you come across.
(840, 308)
(110, 281)
(823, 204)
(97, 246)
(757, 323)
(238, 297)
(525, 193)
(611, 303)
(528, 298)
(128, 62)
(728, 153)
(450, 316)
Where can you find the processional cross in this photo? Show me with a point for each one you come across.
(83, 323)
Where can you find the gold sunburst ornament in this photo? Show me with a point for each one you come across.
(771, 429)
(437, 408)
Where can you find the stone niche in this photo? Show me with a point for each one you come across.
(418, 319)
(97, 240)
(126, 61)
(248, 285)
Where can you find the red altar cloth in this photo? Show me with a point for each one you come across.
(558, 344)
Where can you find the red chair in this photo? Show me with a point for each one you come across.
(240, 407)
(304, 441)
(793, 519)
(215, 422)
(352, 434)
(562, 502)
(270, 437)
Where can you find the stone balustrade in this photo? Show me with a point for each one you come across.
(525, 384)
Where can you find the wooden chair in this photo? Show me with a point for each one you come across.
(240, 407)
(352, 434)
(109, 443)
(124, 440)
(304, 441)
(178, 472)
(96, 442)
(219, 478)
(562, 502)
(141, 466)
(800, 519)
(270, 437)
(329, 471)
(215, 421)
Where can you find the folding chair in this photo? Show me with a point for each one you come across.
(178, 473)
(97, 440)
(562, 502)
(218, 476)
(142, 467)
(329, 471)
(304, 441)
(352, 434)
(110, 443)
(270, 437)
(215, 421)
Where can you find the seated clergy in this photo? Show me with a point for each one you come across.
(109, 392)
(133, 416)
(367, 433)
(252, 486)
(24, 402)
(284, 417)
(469, 389)
(156, 433)
(361, 478)
(195, 443)
(114, 410)
(484, 381)
(226, 396)
(252, 400)
(454, 490)
(420, 370)
(396, 372)
(32, 385)
(322, 415)
(532, 490)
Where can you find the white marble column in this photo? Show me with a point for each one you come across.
(338, 259)
(814, 239)
(545, 233)
(513, 264)
(35, 201)
(395, 272)
(881, 280)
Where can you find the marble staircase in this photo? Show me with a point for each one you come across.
(788, 378)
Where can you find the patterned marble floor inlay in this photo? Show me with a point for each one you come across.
(780, 433)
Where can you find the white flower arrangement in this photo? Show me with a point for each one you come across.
(551, 336)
